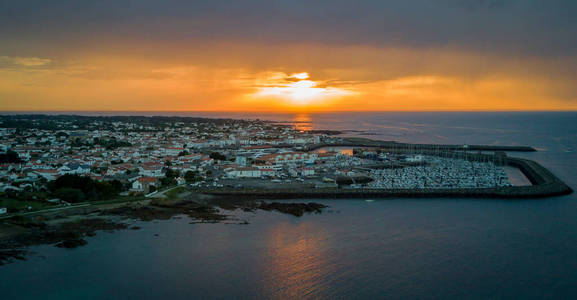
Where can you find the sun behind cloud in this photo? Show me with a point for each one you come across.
(301, 76)
(298, 90)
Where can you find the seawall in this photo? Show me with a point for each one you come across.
(363, 142)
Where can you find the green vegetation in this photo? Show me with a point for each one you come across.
(25, 195)
(190, 176)
(217, 156)
(74, 189)
(169, 178)
(69, 195)
(14, 205)
(111, 143)
(120, 199)
(170, 173)
(167, 181)
(62, 134)
(173, 194)
(9, 157)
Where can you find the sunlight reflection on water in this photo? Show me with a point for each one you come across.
(297, 261)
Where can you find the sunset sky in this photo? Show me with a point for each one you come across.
(298, 55)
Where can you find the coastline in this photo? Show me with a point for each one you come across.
(67, 228)
(70, 228)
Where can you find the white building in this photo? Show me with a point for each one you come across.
(307, 171)
(244, 172)
(290, 157)
(173, 151)
(143, 184)
(415, 158)
(74, 169)
(48, 174)
(151, 170)
(240, 160)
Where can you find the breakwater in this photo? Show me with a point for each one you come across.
(392, 145)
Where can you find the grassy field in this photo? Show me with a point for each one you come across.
(173, 194)
(14, 205)
(22, 206)
(119, 199)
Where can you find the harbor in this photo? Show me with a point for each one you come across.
(543, 184)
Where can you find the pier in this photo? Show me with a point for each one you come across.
(364, 142)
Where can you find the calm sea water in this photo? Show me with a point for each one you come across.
(398, 248)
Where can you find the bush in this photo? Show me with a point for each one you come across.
(69, 195)
(91, 190)
(9, 157)
(170, 173)
(165, 181)
(217, 156)
(190, 176)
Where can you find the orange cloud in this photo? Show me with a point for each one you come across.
(240, 77)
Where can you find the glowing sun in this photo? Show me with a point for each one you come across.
(298, 88)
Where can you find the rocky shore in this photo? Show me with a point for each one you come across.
(19, 233)
(69, 234)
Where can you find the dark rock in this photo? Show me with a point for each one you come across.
(295, 209)
(7, 255)
(69, 244)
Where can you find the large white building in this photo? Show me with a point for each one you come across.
(290, 157)
(151, 170)
(244, 172)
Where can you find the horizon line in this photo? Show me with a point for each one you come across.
(280, 112)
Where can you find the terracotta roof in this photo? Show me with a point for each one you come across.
(147, 179)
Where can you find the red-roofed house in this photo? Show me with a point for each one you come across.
(143, 184)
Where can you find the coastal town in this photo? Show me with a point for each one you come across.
(143, 155)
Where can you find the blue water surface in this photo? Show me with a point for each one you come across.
(395, 248)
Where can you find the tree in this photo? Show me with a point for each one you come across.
(10, 157)
(111, 143)
(167, 181)
(170, 173)
(108, 189)
(91, 190)
(61, 134)
(69, 195)
(217, 156)
(190, 176)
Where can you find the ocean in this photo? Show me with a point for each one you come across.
(395, 248)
